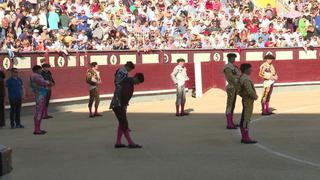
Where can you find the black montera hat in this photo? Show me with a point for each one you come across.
(140, 77)
(231, 56)
(269, 55)
(46, 65)
(181, 60)
(244, 67)
(130, 65)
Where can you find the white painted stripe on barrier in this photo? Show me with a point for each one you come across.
(125, 58)
(82, 61)
(39, 60)
(254, 56)
(72, 61)
(175, 57)
(201, 57)
(307, 55)
(51, 61)
(101, 60)
(22, 63)
(150, 58)
(225, 58)
(284, 55)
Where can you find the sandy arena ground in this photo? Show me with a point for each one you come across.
(195, 147)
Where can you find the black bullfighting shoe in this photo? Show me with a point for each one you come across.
(119, 146)
(134, 146)
(248, 141)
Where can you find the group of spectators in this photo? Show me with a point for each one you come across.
(65, 25)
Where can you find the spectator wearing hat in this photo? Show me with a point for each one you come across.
(35, 38)
(232, 76)
(47, 75)
(269, 75)
(45, 33)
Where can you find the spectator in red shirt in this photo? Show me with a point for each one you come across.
(95, 7)
(40, 46)
(209, 5)
(217, 5)
(253, 28)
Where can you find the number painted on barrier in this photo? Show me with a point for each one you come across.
(113, 59)
(165, 58)
(216, 57)
(61, 62)
(6, 63)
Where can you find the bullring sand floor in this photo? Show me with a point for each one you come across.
(194, 147)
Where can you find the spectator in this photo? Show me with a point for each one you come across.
(317, 22)
(20, 21)
(53, 19)
(43, 21)
(302, 26)
(65, 20)
(82, 21)
(107, 23)
(26, 47)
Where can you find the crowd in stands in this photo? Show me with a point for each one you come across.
(66, 25)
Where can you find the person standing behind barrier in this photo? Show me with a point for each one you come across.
(2, 95)
(232, 76)
(179, 77)
(120, 109)
(46, 74)
(249, 95)
(15, 93)
(40, 89)
(94, 80)
(268, 73)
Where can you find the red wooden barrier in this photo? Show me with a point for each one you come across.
(293, 65)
